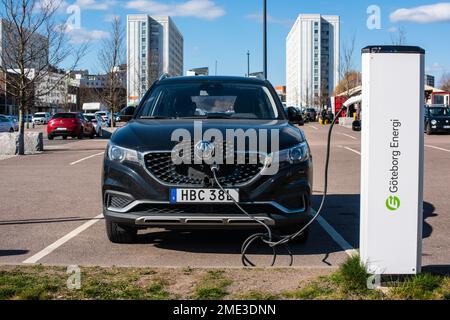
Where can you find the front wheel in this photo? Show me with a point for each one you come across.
(81, 134)
(120, 234)
(50, 137)
(429, 131)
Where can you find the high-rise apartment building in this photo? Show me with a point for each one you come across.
(312, 59)
(154, 47)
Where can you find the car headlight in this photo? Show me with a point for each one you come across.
(433, 122)
(296, 154)
(119, 154)
(299, 153)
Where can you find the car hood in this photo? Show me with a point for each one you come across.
(146, 135)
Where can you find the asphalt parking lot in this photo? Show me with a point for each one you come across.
(51, 211)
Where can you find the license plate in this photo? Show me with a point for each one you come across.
(203, 195)
(61, 129)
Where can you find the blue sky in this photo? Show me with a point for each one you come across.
(224, 30)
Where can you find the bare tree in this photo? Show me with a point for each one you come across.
(398, 38)
(445, 82)
(111, 58)
(36, 45)
(346, 66)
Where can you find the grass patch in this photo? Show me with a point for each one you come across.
(421, 287)
(349, 282)
(352, 276)
(320, 289)
(212, 286)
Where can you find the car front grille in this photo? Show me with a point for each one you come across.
(161, 166)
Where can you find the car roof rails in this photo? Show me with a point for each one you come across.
(164, 76)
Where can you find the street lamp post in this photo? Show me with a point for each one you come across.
(265, 38)
(248, 63)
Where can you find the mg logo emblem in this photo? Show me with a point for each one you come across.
(204, 150)
(393, 203)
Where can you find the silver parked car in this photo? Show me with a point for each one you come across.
(15, 121)
(6, 125)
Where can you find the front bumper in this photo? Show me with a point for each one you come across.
(440, 128)
(131, 196)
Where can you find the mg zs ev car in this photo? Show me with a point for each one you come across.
(158, 169)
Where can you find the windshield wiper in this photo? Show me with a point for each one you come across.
(155, 117)
(209, 116)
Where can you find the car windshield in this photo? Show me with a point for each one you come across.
(210, 100)
(90, 117)
(440, 112)
(39, 115)
(64, 116)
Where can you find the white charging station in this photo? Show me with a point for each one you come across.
(392, 159)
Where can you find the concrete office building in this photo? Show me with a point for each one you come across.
(154, 47)
(312, 59)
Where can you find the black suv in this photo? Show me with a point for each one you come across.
(158, 169)
(437, 119)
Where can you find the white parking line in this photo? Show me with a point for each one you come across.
(92, 156)
(347, 247)
(58, 243)
(352, 150)
(349, 136)
(437, 148)
(314, 127)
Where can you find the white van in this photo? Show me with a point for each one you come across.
(41, 118)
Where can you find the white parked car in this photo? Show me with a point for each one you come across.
(41, 118)
(97, 121)
(106, 116)
(6, 125)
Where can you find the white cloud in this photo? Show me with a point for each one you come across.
(438, 12)
(436, 68)
(259, 17)
(202, 9)
(78, 36)
(95, 4)
(393, 30)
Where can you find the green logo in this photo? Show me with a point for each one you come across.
(393, 203)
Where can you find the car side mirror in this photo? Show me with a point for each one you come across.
(294, 116)
(127, 114)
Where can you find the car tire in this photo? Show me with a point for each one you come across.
(50, 137)
(92, 136)
(11, 130)
(120, 234)
(64, 137)
(81, 134)
(301, 239)
(429, 131)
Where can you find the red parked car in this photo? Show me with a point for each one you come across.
(70, 124)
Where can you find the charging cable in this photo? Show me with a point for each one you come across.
(275, 241)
